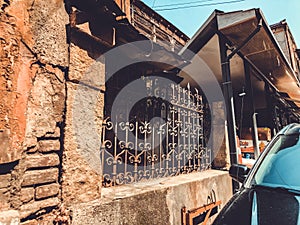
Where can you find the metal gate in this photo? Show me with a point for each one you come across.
(138, 149)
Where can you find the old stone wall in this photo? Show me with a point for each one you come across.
(52, 87)
(34, 59)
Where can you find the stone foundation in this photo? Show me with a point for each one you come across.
(154, 202)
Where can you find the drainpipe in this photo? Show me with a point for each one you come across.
(249, 91)
(228, 96)
(230, 114)
(255, 137)
(228, 92)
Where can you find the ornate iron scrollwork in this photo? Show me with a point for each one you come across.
(142, 150)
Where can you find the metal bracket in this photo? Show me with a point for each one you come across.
(205, 212)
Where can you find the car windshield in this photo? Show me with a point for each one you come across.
(281, 165)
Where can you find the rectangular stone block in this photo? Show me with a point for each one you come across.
(27, 194)
(40, 160)
(7, 153)
(49, 145)
(46, 191)
(4, 199)
(40, 176)
(55, 134)
(31, 208)
(30, 222)
(4, 180)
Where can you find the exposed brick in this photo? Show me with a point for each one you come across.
(46, 191)
(45, 219)
(55, 134)
(27, 194)
(49, 145)
(6, 154)
(34, 161)
(40, 177)
(4, 199)
(32, 149)
(30, 222)
(4, 180)
(10, 217)
(31, 208)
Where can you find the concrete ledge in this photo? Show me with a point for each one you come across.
(154, 202)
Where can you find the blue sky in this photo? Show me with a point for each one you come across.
(190, 19)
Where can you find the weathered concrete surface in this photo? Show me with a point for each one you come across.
(220, 147)
(147, 209)
(154, 202)
(80, 62)
(81, 178)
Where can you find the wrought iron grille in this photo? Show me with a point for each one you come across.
(138, 149)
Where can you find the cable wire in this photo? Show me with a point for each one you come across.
(180, 4)
(195, 6)
(153, 4)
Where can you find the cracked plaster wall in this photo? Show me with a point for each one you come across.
(33, 63)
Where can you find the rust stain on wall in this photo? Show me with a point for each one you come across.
(16, 73)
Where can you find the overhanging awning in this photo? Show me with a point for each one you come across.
(262, 51)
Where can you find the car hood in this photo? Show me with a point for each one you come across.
(260, 207)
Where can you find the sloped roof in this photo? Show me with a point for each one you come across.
(262, 50)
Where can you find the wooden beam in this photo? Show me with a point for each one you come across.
(125, 7)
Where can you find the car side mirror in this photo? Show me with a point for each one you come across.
(239, 172)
